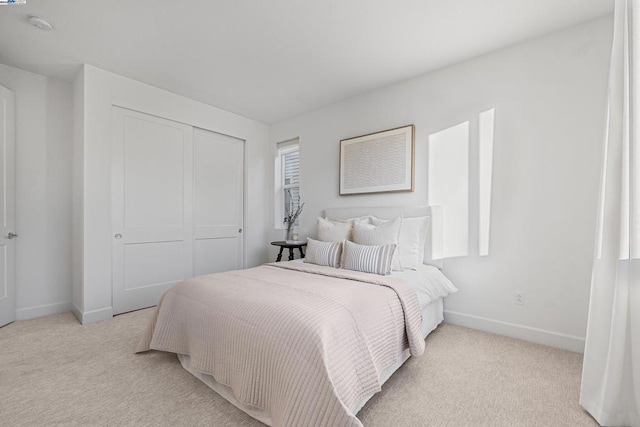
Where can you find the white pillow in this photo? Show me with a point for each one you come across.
(323, 253)
(368, 259)
(413, 236)
(333, 231)
(363, 219)
(386, 233)
(351, 221)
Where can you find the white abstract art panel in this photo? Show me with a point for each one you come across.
(378, 162)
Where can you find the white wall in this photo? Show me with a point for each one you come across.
(77, 211)
(43, 192)
(549, 95)
(101, 90)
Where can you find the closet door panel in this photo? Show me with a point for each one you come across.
(152, 207)
(142, 268)
(154, 172)
(218, 219)
(213, 255)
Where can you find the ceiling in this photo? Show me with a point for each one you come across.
(270, 60)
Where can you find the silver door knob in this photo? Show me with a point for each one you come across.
(239, 230)
(118, 236)
(11, 236)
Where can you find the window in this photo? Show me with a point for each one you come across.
(287, 197)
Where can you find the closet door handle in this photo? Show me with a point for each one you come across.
(11, 236)
(118, 236)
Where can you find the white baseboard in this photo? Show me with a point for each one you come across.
(526, 333)
(76, 312)
(42, 310)
(92, 316)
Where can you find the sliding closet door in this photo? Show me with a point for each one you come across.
(218, 172)
(152, 207)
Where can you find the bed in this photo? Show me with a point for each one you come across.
(295, 343)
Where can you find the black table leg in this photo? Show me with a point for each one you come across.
(301, 253)
(280, 254)
(290, 254)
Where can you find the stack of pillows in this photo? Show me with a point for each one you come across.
(369, 244)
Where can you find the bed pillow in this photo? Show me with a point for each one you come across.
(351, 221)
(363, 219)
(411, 241)
(368, 259)
(323, 253)
(386, 233)
(329, 231)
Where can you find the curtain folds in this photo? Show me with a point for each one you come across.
(610, 388)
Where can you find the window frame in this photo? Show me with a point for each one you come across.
(282, 149)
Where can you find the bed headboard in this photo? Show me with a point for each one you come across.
(433, 246)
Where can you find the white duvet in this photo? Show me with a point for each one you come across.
(428, 282)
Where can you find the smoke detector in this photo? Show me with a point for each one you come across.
(40, 22)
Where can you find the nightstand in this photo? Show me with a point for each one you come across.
(291, 246)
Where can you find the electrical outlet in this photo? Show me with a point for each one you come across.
(518, 298)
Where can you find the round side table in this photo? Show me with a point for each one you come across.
(291, 246)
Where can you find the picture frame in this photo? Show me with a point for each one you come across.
(379, 162)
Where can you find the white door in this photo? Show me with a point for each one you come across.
(152, 207)
(218, 220)
(7, 208)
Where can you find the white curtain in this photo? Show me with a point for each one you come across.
(610, 388)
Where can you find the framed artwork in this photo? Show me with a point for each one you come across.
(379, 162)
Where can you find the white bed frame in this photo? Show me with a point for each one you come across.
(433, 253)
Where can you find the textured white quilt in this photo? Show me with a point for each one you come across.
(302, 342)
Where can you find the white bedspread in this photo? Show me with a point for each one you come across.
(428, 282)
(306, 362)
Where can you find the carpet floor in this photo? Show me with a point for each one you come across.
(53, 371)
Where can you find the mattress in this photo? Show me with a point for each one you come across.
(432, 316)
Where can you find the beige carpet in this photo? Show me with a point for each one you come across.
(54, 371)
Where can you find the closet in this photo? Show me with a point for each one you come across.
(177, 205)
